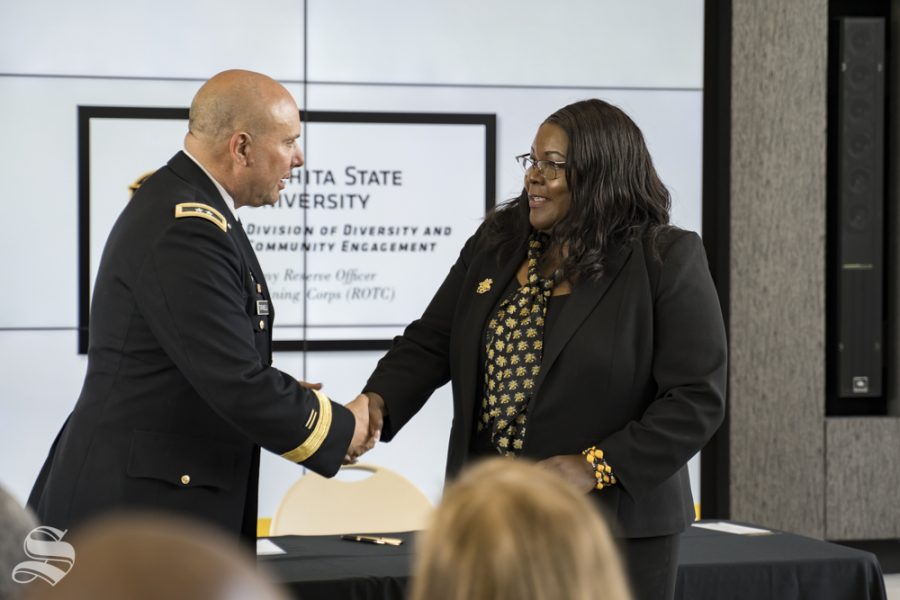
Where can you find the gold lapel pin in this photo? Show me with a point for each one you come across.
(484, 286)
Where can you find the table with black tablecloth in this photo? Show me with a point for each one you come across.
(327, 567)
(712, 565)
(775, 566)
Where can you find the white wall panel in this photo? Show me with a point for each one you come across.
(671, 121)
(640, 43)
(41, 375)
(151, 38)
(39, 188)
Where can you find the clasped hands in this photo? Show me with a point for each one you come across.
(368, 410)
(368, 413)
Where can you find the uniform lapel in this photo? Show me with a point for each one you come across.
(584, 298)
(249, 254)
(258, 280)
(187, 169)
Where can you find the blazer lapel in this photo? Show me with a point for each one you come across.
(476, 316)
(584, 298)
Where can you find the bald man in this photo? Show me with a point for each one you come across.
(180, 392)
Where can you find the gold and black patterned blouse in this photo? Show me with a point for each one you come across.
(513, 349)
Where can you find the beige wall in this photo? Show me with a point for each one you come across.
(777, 263)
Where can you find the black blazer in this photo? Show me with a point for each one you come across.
(635, 364)
(179, 392)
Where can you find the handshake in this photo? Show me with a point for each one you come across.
(368, 410)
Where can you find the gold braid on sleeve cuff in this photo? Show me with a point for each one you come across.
(602, 471)
(319, 433)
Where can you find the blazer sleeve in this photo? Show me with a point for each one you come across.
(419, 360)
(689, 369)
(190, 292)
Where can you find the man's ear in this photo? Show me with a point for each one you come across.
(240, 146)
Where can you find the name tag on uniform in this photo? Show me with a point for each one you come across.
(262, 308)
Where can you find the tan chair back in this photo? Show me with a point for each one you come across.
(381, 503)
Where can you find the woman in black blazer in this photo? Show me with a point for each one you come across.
(579, 329)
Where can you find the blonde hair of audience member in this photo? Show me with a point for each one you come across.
(507, 529)
(155, 557)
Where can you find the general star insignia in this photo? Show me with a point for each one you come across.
(484, 286)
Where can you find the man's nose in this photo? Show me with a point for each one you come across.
(298, 159)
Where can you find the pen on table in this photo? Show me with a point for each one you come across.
(371, 539)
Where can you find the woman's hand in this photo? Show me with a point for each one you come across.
(376, 422)
(573, 468)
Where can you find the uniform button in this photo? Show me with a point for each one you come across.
(262, 324)
(259, 288)
(185, 479)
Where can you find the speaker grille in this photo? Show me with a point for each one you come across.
(860, 207)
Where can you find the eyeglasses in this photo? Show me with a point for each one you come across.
(549, 169)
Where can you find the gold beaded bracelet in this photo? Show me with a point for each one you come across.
(602, 471)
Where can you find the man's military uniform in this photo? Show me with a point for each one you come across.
(180, 392)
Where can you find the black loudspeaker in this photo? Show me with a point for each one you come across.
(858, 263)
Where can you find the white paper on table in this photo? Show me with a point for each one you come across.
(727, 527)
(265, 547)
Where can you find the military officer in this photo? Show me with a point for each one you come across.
(180, 392)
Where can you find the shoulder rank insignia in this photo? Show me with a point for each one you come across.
(204, 211)
(139, 182)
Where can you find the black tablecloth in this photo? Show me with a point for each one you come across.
(329, 568)
(778, 566)
(713, 565)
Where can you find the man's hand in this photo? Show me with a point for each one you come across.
(362, 440)
(573, 468)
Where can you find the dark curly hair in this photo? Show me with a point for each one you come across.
(616, 195)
